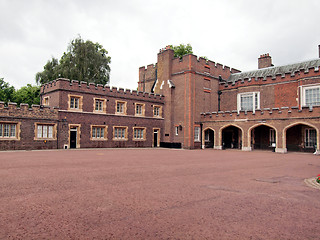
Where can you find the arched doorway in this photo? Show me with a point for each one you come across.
(263, 137)
(232, 137)
(208, 138)
(301, 138)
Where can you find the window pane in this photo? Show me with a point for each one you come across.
(39, 131)
(138, 109)
(72, 102)
(123, 133)
(97, 107)
(102, 132)
(94, 132)
(311, 137)
(13, 130)
(156, 111)
(45, 131)
(312, 96)
(120, 107)
(196, 133)
(50, 134)
(255, 100)
(1, 130)
(6, 130)
(246, 103)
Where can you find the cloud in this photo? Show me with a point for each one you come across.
(231, 32)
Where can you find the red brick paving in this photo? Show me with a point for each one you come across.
(158, 194)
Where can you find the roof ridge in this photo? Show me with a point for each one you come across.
(275, 70)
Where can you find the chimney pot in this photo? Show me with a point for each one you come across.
(264, 61)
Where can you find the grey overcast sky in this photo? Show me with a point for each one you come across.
(230, 32)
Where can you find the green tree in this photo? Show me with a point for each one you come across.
(181, 50)
(206, 58)
(6, 91)
(28, 94)
(49, 73)
(83, 61)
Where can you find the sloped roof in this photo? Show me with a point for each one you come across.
(273, 71)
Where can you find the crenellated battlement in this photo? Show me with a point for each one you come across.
(187, 63)
(147, 73)
(272, 75)
(63, 84)
(266, 113)
(201, 65)
(36, 111)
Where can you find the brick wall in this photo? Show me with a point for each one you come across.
(85, 117)
(26, 119)
(196, 83)
(86, 120)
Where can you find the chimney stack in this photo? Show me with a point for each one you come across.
(319, 50)
(264, 61)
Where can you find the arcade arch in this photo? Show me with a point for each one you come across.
(208, 135)
(301, 137)
(262, 136)
(231, 137)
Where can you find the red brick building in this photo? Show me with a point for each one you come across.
(188, 102)
(28, 128)
(77, 115)
(211, 105)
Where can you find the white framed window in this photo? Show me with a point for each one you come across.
(8, 130)
(99, 105)
(177, 130)
(46, 101)
(310, 95)
(197, 134)
(249, 101)
(75, 103)
(139, 111)
(120, 133)
(121, 107)
(44, 131)
(98, 132)
(272, 137)
(138, 133)
(310, 137)
(156, 111)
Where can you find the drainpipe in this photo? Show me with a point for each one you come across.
(219, 100)
(58, 130)
(201, 125)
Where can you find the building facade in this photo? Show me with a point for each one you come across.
(28, 128)
(211, 105)
(78, 115)
(186, 102)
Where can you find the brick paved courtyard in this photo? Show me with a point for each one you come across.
(158, 194)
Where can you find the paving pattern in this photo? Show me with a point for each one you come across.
(158, 194)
